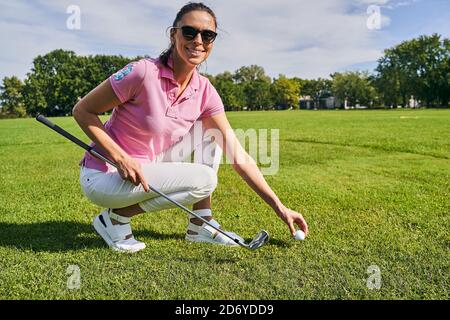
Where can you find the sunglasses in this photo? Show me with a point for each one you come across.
(189, 33)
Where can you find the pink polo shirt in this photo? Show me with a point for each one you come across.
(150, 119)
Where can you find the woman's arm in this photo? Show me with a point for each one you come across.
(86, 112)
(247, 168)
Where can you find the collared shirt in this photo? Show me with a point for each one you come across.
(150, 119)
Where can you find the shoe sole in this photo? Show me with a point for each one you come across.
(200, 238)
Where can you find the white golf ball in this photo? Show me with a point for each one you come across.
(299, 235)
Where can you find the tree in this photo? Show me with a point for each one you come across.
(60, 78)
(43, 85)
(419, 67)
(251, 73)
(354, 87)
(229, 91)
(388, 83)
(257, 94)
(285, 92)
(11, 97)
(254, 85)
(317, 89)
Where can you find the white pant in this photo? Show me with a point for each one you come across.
(182, 181)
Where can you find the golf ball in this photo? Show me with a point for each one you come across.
(299, 235)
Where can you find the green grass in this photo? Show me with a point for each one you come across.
(373, 186)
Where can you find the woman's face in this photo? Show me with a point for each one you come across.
(195, 51)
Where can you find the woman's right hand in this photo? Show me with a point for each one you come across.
(130, 169)
(290, 217)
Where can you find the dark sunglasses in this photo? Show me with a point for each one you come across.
(189, 33)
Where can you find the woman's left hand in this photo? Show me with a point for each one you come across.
(290, 217)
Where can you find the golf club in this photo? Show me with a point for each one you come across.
(257, 242)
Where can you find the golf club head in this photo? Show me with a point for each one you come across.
(259, 240)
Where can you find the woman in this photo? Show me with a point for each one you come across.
(157, 104)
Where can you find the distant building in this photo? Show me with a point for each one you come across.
(308, 103)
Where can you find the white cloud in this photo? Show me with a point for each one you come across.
(25, 42)
(399, 3)
(297, 38)
(303, 38)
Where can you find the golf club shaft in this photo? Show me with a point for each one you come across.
(90, 149)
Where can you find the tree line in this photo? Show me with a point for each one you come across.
(419, 67)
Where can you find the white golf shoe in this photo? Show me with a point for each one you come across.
(205, 233)
(116, 236)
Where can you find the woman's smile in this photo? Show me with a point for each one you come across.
(195, 52)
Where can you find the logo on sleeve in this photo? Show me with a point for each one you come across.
(122, 73)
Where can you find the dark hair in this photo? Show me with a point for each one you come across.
(191, 6)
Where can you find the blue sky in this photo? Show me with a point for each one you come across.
(407, 20)
(301, 38)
